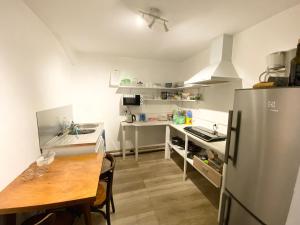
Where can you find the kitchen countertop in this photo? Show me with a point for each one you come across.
(67, 140)
(218, 147)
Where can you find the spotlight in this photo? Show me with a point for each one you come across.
(140, 20)
(154, 15)
(165, 26)
(152, 23)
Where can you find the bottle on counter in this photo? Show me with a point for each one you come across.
(294, 79)
(188, 118)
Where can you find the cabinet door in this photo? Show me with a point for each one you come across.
(232, 213)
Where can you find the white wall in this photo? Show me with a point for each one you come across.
(250, 47)
(33, 76)
(94, 100)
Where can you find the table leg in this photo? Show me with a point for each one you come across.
(86, 210)
(167, 147)
(10, 219)
(185, 157)
(123, 142)
(136, 143)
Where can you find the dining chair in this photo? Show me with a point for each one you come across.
(41, 219)
(58, 216)
(104, 196)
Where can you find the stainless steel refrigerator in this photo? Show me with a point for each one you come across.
(262, 156)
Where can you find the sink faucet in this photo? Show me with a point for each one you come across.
(73, 127)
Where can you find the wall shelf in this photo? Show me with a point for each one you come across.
(162, 88)
(171, 100)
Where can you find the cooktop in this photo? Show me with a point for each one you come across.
(205, 134)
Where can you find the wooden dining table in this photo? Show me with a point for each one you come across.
(68, 181)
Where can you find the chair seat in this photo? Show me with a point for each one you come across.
(101, 194)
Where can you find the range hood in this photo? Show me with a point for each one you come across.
(220, 68)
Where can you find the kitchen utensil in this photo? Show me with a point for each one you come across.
(142, 117)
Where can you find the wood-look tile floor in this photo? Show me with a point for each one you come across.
(151, 191)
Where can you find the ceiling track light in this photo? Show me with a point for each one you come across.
(154, 14)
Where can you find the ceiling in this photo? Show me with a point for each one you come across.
(109, 26)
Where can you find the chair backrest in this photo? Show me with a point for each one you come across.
(112, 160)
(108, 176)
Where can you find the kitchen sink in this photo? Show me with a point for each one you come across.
(82, 131)
(88, 125)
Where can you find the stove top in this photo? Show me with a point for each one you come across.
(205, 134)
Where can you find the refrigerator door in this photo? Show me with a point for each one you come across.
(264, 151)
(235, 214)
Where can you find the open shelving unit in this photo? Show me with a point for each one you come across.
(204, 169)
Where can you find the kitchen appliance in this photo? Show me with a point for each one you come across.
(205, 134)
(130, 118)
(262, 157)
(220, 68)
(278, 69)
(164, 95)
(132, 100)
(168, 85)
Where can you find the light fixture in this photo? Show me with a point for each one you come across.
(154, 14)
(165, 26)
(152, 23)
(140, 20)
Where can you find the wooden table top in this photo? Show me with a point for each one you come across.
(68, 181)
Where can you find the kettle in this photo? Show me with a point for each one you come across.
(130, 118)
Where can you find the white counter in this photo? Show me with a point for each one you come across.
(76, 144)
(218, 146)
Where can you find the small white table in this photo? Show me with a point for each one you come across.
(136, 125)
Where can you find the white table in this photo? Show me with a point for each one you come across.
(136, 126)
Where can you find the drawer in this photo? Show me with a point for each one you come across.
(212, 175)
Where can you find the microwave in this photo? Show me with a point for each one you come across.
(133, 100)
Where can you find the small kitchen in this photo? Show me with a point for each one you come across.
(165, 114)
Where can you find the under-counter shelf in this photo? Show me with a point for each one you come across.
(178, 149)
(208, 172)
(212, 174)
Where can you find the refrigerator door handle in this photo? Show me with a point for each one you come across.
(228, 139)
(230, 129)
(225, 209)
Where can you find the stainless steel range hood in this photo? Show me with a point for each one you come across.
(220, 69)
